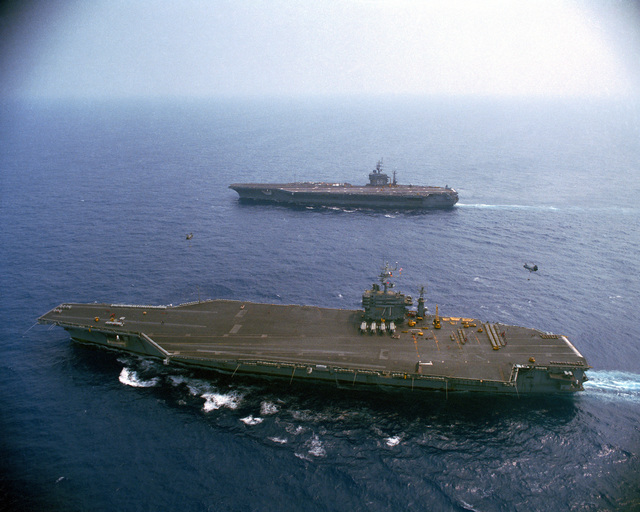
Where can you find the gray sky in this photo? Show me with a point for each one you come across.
(204, 48)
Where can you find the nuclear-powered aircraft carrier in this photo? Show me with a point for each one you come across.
(378, 193)
(390, 343)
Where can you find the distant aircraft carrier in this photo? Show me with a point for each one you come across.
(386, 344)
(378, 193)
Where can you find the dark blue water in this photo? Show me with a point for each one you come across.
(96, 200)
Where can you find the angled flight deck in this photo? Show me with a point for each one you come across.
(385, 344)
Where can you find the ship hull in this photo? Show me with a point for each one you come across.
(347, 196)
(309, 344)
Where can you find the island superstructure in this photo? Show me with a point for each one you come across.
(380, 192)
(389, 343)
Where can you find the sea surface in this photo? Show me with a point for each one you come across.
(96, 200)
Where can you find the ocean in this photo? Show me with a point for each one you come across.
(96, 200)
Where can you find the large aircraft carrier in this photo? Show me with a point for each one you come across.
(390, 343)
(378, 193)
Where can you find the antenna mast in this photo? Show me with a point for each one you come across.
(386, 275)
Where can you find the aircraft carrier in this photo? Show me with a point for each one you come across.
(378, 193)
(390, 343)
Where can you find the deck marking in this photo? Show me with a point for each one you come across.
(235, 329)
(437, 343)
(415, 342)
(571, 345)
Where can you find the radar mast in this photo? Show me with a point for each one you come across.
(386, 275)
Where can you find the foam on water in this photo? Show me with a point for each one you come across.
(131, 378)
(314, 447)
(507, 206)
(250, 420)
(613, 385)
(267, 408)
(213, 401)
(317, 449)
(214, 398)
(393, 441)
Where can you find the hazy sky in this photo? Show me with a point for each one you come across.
(318, 47)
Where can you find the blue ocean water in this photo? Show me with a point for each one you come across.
(96, 200)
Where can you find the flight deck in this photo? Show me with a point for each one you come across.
(345, 346)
